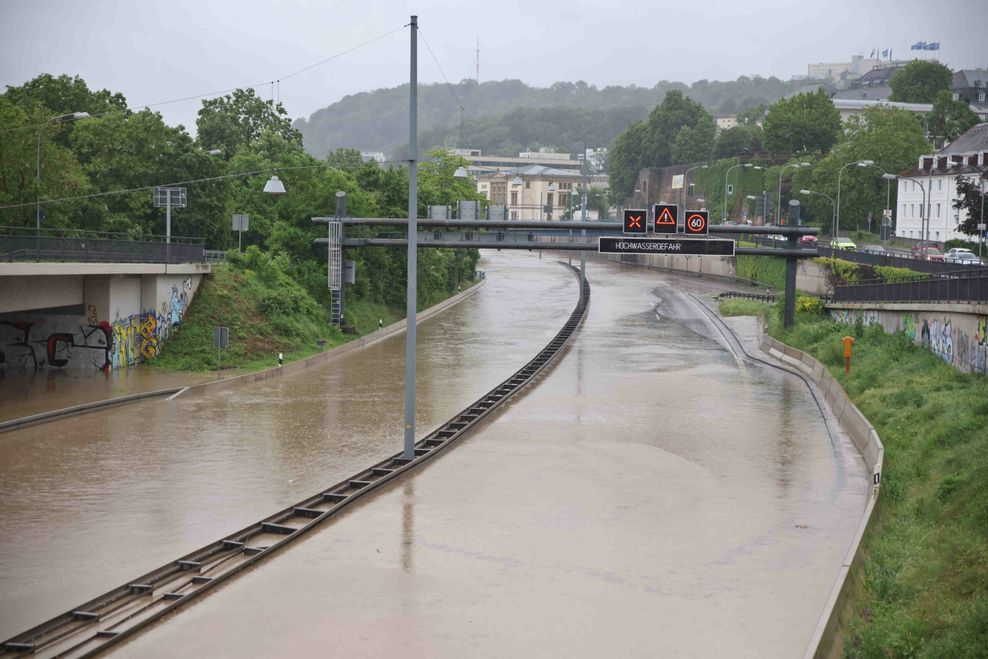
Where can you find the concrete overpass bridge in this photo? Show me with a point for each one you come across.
(92, 300)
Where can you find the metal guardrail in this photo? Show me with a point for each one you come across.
(919, 265)
(20, 244)
(959, 286)
(760, 297)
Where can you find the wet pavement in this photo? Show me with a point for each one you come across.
(25, 393)
(649, 497)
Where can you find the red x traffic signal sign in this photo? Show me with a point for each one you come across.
(696, 223)
(635, 222)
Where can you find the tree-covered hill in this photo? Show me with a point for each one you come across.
(507, 116)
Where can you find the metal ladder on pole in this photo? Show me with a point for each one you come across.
(335, 270)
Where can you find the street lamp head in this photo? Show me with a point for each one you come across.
(215, 152)
(460, 172)
(274, 186)
(889, 177)
(80, 115)
(803, 164)
(750, 196)
(516, 181)
(805, 192)
(703, 167)
(747, 164)
(758, 167)
(553, 187)
(866, 163)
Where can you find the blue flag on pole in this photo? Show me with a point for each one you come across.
(919, 45)
(885, 53)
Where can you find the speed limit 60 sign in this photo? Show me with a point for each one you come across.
(696, 223)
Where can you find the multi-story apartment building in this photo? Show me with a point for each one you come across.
(929, 190)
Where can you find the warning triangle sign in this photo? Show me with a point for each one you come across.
(665, 217)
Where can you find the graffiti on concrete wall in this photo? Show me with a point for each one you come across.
(39, 343)
(979, 348)
(953, 344)
(938, 337)
(909, 326)
(84, 341)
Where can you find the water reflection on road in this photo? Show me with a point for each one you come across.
(650, 497)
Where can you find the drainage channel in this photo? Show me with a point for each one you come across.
(99, 623)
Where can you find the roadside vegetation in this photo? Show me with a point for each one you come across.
(920, 588)
(268, 311)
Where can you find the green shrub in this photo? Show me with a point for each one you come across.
(809, 305)
(891, 274)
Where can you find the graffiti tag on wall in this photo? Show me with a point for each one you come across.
(81, 341)
(953, 345)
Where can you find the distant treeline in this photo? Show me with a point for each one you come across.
(508, 116)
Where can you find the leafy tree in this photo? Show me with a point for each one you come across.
(123, 151)
(665, 123)
(739, 139)
(695, 143)
(752, 114)
(347, 160)
(892, 138)
(949, 118)
(970, 197)
(65, 94)
(626, 158)
(238, 120)
(803, 123)
(920, 82)
(61, 175)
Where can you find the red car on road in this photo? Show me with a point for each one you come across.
(928, 254)
(923, 244)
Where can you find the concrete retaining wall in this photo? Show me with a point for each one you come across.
(826, 641)
(956, 333)
(810, 276)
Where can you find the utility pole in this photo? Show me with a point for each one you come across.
(583, 213)
(410, 291)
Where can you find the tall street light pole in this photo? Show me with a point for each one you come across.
(686, 182)
(778, 203)
(859, 163)
(833, 207)
(71, 116)
(726, 176)
(412, 268)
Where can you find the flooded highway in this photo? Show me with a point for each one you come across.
(649, 496)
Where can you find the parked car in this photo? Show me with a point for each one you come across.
(809, 241)
(843, 243)
(954, 254)
(928, 254)
(969, 259)
(922, 244)
(875, 249)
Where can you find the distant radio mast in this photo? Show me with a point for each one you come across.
(478, 60)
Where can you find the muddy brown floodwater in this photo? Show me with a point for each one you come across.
(650, 496)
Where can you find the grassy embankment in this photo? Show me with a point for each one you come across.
(921, 588)
(267, 312)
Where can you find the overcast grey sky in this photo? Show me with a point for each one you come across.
(159, 50)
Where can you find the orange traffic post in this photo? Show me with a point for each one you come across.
(848, 342)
